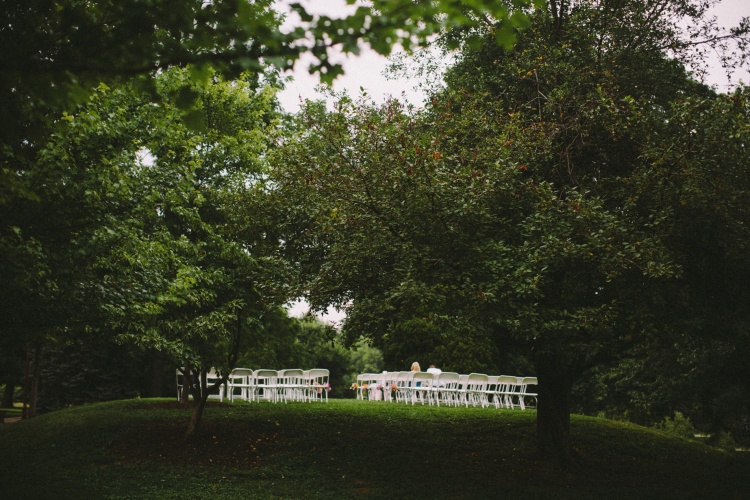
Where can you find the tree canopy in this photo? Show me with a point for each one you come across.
(511, 216)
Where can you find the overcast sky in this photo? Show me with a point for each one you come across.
(366, 71)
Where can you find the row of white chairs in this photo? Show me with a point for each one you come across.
(449, 388)
(269, 385)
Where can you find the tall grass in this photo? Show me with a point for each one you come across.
(346, 449)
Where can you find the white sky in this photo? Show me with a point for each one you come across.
(362, 71)
(367, 71)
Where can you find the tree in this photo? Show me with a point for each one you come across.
(504, 215)
(420, 236)
(590, 88)
(159, 241)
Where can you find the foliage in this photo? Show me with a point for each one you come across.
(89, 370)
(382, 24)
(158, 246)
(516, 211)
(366, 359)
(57, 54)
(678, 426)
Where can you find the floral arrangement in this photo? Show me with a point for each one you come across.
(355, 386)
(320, 387)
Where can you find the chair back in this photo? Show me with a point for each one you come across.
(319, 386)
(241, 373)
(423, 380)
(266, 383)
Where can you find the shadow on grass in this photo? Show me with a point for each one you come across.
(347, 449)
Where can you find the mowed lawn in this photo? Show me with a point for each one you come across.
(346, 449)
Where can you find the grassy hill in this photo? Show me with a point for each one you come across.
(345, 449)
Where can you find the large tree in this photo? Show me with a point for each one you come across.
(453, 252)
(504, 216)
(160, 243)
(600, 93)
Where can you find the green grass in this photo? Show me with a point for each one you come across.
(346, 449)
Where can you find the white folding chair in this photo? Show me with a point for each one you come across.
(389, 383)
(461, 389)
(476, 386)
(445, 388)
(421, 387)
(490, 391)
(524, 392)
(279, 382)
(504, 391)
(291, 385)
(239, 384)
(508, 390)
(362, 387)
(403, 387)
(265, 385)
(382, 387)
(371, 382)
(317, 384)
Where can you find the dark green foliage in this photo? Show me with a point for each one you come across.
(89, 370)
(549, 202)
(692, 356)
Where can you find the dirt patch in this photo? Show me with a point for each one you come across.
(226, 444)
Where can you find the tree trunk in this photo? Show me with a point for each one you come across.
(195, 417)
(198, 406)
(37, 374)
(24, 410)
(553, 413)
(8, 395)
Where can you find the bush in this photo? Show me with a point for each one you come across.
(678, 426)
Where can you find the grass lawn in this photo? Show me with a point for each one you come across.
(345, 449)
